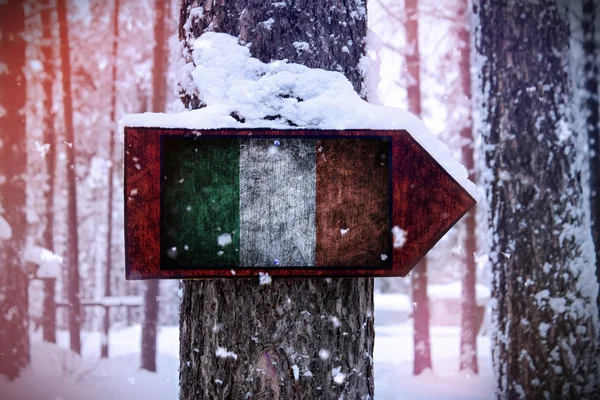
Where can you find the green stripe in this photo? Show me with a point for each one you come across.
(201, 202)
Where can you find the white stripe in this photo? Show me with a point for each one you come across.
(277, 202)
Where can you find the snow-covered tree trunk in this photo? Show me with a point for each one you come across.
(468, 305)
(159, 95)
(590, 10)
(48, 51)
(14, 318)
(418, 277)
(544, 288)
(73, 295)
(294, 338)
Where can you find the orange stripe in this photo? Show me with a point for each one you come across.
(353, 203)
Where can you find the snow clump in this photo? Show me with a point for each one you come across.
(222, 352)
(399, 237)
(239, 91)
(264, 278)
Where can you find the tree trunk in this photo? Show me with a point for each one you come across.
(468, 307)
(149, 328)
(592, 111)
(292, 335)
(420, 300)
(544, 287)
(160, 57)
(418, 278)
(110, 172)
(73, 295)
(47, 47)
(159, 98)
(49, 310)
(14, 318)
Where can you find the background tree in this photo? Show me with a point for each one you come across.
(101, 95)
(545, 314)
(468, 310)
(445, 106)
(14, 320)
(110, 171)
(418, 277)
(48, 45)
(73, 295)
(266, 331)
(159, 97)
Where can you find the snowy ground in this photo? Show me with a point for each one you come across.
(393, 367)
(56, 374)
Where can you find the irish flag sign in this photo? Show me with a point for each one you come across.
(235, 203)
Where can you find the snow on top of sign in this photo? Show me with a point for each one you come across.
(242, 92)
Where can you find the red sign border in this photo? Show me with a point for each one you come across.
(142, 160)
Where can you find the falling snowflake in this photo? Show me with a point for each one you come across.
(224, 239)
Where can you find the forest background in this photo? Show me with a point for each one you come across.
(87, 325)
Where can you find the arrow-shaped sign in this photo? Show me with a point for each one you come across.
(236, 203)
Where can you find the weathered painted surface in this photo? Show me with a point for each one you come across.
(277, 202)
(426, 202)
(200, 202)
(353, 203)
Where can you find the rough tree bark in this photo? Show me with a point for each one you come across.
(592, 111)
(14, 318)
(111, 175)
(311, 326)
(418, 277)
(544, 287)
(468, 306)
(73, 296)
(49, 61)
(159, 98)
